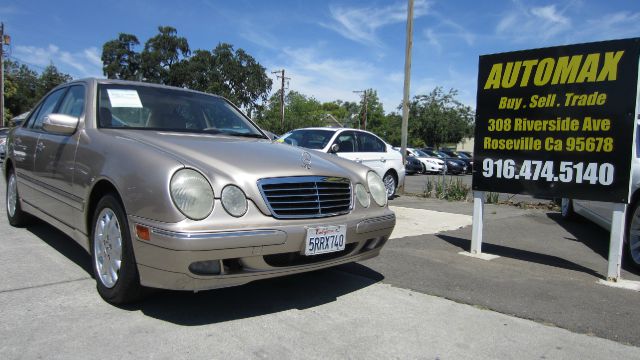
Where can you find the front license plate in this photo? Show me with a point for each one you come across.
(325, 239)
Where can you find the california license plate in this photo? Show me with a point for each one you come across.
(325, 239)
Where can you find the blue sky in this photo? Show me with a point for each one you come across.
(328, 48)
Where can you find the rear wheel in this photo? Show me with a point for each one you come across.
(114, 264)
(15, 215)
(389, 184)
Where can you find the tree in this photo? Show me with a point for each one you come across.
(438, 118)
(120, 60)
(49, 79)
(167, 59)
(231, 73)
(161, 53)
(21, 84)
(300, 111)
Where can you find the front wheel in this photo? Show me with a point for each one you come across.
(114, 264)
(566, 209)
(389, 184)
(15, 215)
(632, 243)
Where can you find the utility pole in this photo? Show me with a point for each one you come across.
(364, 95)
(2, 43)
(283, 78)
(407, 80)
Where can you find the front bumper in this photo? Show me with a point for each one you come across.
(251, 254)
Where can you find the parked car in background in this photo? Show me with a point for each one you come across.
(453, 165)
(18, 120)
(177, 189)
(430, 164)
(357, 145)
(413, 166)
(457, 155)
(3, 140)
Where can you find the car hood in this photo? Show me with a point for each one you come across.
(242, 161)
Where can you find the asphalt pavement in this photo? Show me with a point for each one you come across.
(419, 299)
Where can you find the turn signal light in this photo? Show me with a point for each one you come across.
(142, 232)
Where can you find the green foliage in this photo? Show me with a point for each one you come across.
(24, 87)
(167, 59)
(451, 190)
(161, 52)
(492, 198)
(119, 59)
(439, 118)
(300, 111)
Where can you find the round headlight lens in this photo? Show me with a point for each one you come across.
(376, 188)
(234, 201)
(362, 196)
(192, 194)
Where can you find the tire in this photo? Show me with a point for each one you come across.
(423, 168)
(111, 243)
(632, 238)
(15, 215)
(566, 209)
(390, 184)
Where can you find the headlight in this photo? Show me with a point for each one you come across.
(234, 201)
(192, 194)
(362, 196)
(376, 188)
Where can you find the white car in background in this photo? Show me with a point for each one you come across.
(357, 145)
(430, 164)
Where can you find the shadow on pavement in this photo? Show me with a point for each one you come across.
(591, 236)
(524, 255)
(258, 298)
(61, 243)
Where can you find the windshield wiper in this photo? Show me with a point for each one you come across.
(249, 135)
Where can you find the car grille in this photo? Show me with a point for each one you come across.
(306, 196)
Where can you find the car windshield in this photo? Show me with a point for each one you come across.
(433, 153)
(310, 139)
(421, 153)
(155, 108)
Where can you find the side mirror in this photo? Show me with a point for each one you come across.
(60, 124)
(334, 148)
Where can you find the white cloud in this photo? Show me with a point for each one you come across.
(614, 26)
(83, 63)
(526, 23)
(329, 79)
(445, 31)
(360, 24)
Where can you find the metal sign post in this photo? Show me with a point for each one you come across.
(617, 240)
(478, 220)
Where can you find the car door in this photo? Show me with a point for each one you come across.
(346, 141)
(373, 152)
(54, 162)
(24, 150)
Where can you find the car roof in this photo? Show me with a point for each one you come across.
(95, 80)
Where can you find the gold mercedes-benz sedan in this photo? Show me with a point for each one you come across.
(177, 189)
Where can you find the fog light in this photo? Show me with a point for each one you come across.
(208, 267)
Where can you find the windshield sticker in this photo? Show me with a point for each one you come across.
(124, 98)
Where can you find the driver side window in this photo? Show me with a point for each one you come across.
(47, 107)
(346, 142)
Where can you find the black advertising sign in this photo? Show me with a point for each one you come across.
(557, 122)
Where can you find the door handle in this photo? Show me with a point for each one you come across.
(40, 146)
(358, 160)
(383, 160)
